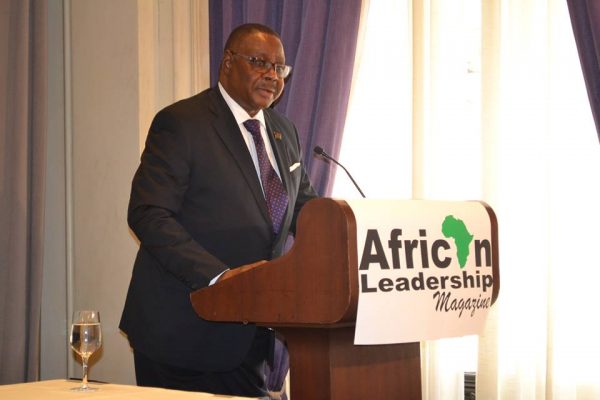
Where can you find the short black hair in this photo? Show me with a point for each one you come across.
(243, 30)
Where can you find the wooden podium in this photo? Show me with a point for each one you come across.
(310, 295)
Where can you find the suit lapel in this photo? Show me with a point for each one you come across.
(283, 163)
(229, 132)
(278, 146)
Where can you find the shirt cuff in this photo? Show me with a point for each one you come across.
(216, 278)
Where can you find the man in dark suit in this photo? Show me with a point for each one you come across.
(199, 210)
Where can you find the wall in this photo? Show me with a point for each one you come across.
(113, 65)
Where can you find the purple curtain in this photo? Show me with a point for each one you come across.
(585, 19)
(319, 37)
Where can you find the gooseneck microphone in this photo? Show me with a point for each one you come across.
(319, 151)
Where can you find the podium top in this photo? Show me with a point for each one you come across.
(315, 283)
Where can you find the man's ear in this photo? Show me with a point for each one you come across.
(226, 62)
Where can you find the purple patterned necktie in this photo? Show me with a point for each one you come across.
(277, 199)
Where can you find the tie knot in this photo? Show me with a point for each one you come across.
(253, 126)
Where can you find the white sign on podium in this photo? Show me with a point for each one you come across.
(424, 269)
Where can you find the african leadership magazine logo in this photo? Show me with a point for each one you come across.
(443, 261)
(426, 269)
(456, 229)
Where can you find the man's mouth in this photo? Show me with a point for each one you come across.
(270, 91)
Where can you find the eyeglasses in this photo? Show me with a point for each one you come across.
(263, 66)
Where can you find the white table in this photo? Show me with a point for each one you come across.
(60, 390)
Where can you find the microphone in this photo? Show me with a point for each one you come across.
(319, 151)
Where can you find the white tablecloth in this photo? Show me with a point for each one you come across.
(59, 390)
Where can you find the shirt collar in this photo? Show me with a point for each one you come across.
(239, 113)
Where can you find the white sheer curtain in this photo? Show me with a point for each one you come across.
(485, 99)
(542, 172)
(377, 142)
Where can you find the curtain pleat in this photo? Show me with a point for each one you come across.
(585, 19)
(23, 99)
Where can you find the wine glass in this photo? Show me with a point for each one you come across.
(85, 339)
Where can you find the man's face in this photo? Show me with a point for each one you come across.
(253, 90)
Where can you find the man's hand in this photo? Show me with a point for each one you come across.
(232, 272)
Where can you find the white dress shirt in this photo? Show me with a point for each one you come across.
(242, 116)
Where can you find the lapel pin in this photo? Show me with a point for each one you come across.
(278, 135)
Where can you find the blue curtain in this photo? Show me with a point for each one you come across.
(319, 38)
(585, 19)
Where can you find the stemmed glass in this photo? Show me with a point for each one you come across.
(85, 339)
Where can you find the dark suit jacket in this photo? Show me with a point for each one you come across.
(197, 208)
